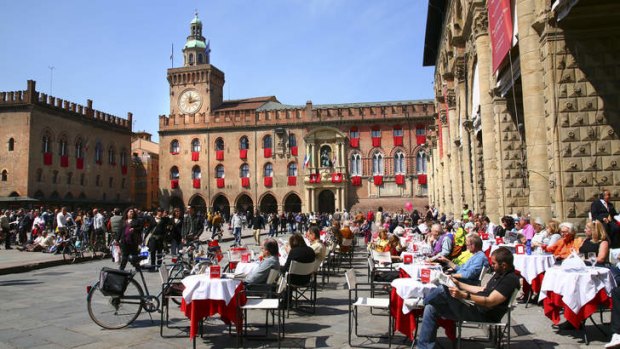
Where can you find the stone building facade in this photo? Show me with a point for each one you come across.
(145, 161)
(59, 153)
(260, 153)
(528, 108)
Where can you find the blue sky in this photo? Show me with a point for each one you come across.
(116, 52)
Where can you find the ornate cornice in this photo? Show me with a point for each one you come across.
(481, 23)
(451, 98)
(459, 69)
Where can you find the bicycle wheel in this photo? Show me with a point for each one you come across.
(69, 253)
(115, 312)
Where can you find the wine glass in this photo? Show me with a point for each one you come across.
(592, 258)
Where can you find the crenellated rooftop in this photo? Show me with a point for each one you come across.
(268, 112)
(33, 97)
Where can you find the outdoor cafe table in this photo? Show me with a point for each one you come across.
(532, 268)
(404, 317)
(204, 297)
(579, 293)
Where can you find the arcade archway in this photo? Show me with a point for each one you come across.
(244, 204)
(221, 205)
(198, 203)
(268, 204)
(176, 202)
(327, 201)
(292, 203)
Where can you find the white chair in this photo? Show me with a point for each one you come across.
(367, 302)
(270, 304)
(301, 292)
(497, 329)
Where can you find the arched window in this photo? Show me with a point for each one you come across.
(174, 172)
(376, 132)
(82, 179)
(268, 170)
(191, 58)
(11, 144)
(196, 172)
(292, 140)
(420, 162)
(55, 177)
(377, 164)
(267, 142)
(39, 175)
(98, 153)
(195, 145)
(45, 141)
(5, 175)
(219, 144)
(79, 149)
(356, 164)
(354, 133)
(244, 143)
(62, 146)
(111, 156)
(244, 171)
(123, 158)
(219, 171)
(98, 181)
(292, 169)
(69, 178)
(175, 148)
(399, 163)
(200, 58)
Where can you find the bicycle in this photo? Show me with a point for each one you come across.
(116, 311)
(72, 248)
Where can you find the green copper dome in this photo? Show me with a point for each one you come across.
(195, 43)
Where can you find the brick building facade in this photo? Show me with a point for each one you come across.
(260, 153)
(145, 160)
(56, 152)
(527, 99)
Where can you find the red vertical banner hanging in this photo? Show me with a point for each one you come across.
(422, 179)
(354, 142)
(220, 182)
(268, 181)
(79, 163)
(400, 179)
(64, 161)
(267, 152)
(500, 30)
(219, 155)
(356, 181)
(243, 154)
(174, 183)
(124, 169)
(294, 150)
(196, 183)
(245, 182)
(47, 159)
(398, 141)
(376, 141)
(292, 180)
(378, 180)
(195, 156)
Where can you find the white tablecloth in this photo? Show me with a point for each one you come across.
(414, 269)
(531, 265)
(410, 288)
(576, 288)
(203, 287)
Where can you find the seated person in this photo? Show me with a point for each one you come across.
(440, 241)
(270, 261)
(346, 233)
(565, 246)
(394, 248)
(313, 236)
(298, 251)
(596, 242)
(490, 302)
(469, 272)
(380, 243)
(41, 243)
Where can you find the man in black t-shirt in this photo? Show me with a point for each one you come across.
(490, 302)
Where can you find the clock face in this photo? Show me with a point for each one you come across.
(190, 101)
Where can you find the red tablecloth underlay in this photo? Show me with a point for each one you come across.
(201, 308)
(554, 303)
(536, 283)
(405, 323)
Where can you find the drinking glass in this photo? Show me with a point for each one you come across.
(592, 258)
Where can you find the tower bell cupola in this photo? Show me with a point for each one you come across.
(196, 50)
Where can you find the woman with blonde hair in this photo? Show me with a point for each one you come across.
(595, 242)
(381, 242)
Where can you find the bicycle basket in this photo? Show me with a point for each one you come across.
(113, 282)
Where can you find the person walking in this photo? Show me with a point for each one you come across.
(258, 224)
(129, 238)
(6, 231)
(236, 223)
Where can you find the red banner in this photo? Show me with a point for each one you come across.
(219, 155)
(64, 161)
(47, 159)
(267, 152)
(500, 30)
(174, 183)
(376, 141)
(398, 141)
(219, 182)
(354, 142)
(421, 179)
(195, 156)
(79, 163)
(315, 178)
(243, 153)
(420, 139)
(336, 177)
(196, 183)
(292, 180)
(124, 169)
(268, 181)
(400, 179)
(294, 150)
(378, 180)
(245, 182)
(356, 181)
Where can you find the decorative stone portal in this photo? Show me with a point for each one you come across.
(327, 201)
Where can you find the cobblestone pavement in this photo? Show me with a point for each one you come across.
(46, 308)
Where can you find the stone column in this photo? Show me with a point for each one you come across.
(455, 163)
(448, 202)
(533, 110)
(483, 52)
(464, 160)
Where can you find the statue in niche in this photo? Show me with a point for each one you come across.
(326, 156)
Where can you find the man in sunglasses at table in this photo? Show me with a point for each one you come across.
(468, 302)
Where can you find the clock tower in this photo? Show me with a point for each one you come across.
(197, 87)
